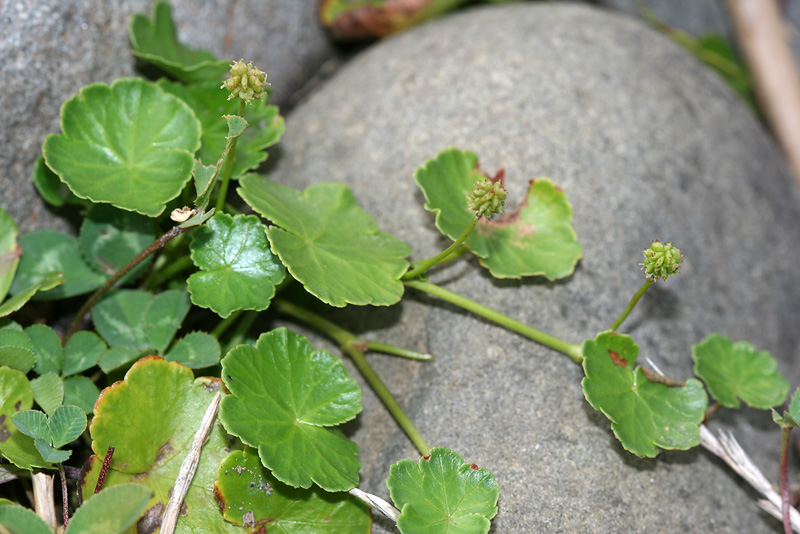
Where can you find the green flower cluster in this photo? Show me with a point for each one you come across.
(246, 81)
(487, 198)
(661, 260)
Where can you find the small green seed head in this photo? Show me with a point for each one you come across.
(661, 260)
(487, 198)
(246, 81)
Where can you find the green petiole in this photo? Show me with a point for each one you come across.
(572, 350)
(354, 347)
(443, 256)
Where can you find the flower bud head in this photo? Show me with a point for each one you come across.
(661, 260)
(246, 81)
(487, 198)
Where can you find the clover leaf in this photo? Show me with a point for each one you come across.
(238, 270)
(139, 319)
(48, 392)
(110, 238)
(733, 371)
(16, 350)
(156, 41)
(210, 103)
(195, 350)
(129, 144)
(47, 348)
(328, 243)
(536, 239)
(16, 395)
(443, 494)
(151, 418)
(80, 391)
(45, 252)
(285, 400)
(64, 426)
(645, 414)
(82, 352)
(250, 496)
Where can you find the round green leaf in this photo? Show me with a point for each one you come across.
(47, 348)
(156, 41)
(18, 520)
(16, 350)
(47, 251)
(129, 144)
(151, 418)
(733, 371)
(328, 243)
(16, 395)
(443, 495)
(112, 511)
(9, 252)
(51, 188)
(48, 392)
(238, 271)
(116, 357)
(32, 423)
(196, 350)
(535, 239)
(66, 424)
(210, 103)
(110, 238)
(645, 414)
(285, 395)
(250, 496)
(83, 351)
(80, 391)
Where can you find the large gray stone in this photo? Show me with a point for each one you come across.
(51, 48)
(648, 145)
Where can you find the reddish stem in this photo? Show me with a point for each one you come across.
(87, 306)
(785, 506)
(103, 470)
(64, 497)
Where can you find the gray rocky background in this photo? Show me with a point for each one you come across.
(648, 144)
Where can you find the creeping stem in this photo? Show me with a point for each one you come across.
(786, 431)
(354, 347)
(230, 153)
(424, 265)
(174, 232)
(632, 304)
(572, 350)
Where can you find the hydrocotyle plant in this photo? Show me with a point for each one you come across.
(175, 273)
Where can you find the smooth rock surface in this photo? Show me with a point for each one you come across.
(51, 48)
(648, 144)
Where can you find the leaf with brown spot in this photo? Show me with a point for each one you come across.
(645, 414)
(151, 418)
(250, 496)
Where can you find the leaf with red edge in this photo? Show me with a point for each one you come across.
(535, 239)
